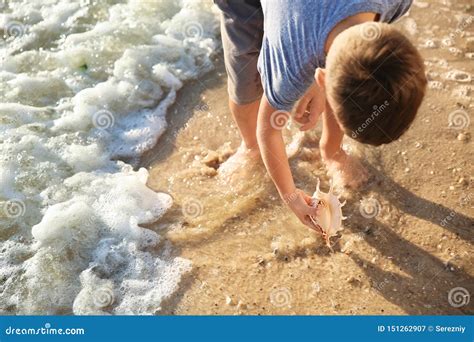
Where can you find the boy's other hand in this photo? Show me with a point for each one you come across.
(310, 106)
(302, 206)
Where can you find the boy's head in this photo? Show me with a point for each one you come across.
(375, 82)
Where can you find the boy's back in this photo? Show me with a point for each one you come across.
(294, 39)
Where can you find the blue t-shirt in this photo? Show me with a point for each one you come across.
(295, 33)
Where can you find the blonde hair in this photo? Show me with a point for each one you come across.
(377, 80)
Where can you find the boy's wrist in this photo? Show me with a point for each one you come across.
(288, 196)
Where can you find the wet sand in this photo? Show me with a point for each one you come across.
(408, 239)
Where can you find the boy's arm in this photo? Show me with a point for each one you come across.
(272, 149)
(310, 106)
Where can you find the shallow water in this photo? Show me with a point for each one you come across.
(395, 255)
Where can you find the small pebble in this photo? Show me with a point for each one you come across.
(241, 305)
(229, 301)
(462, 137)
(435, 85)
(430, 44)
(421, 4)
(455, 51)
(451, 187)
(447, 42)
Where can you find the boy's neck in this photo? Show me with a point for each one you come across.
(346, 23)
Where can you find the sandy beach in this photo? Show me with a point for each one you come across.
(407, 245)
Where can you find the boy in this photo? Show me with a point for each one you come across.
(339, 59)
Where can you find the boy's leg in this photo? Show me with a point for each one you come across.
(245, 116)
(242, 33)
(344, 169)
(331, 139)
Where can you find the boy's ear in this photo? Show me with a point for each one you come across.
(320, 77)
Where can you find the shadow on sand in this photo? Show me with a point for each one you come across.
(424, 281)
(411, 204)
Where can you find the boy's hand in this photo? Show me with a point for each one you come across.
(310, 107)
(272, 148)
(301, 204)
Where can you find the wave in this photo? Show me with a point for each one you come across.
(85, 86)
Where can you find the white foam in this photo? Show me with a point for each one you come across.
(83, 85)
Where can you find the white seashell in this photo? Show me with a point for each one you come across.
(329, 217)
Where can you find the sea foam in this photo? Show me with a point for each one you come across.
(84, 90)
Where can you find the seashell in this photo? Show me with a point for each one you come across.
(329, 217)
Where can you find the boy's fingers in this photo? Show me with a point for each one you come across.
(314, 227)
(308, 199)
(312, 211)
(301, 108)
(302, 120)
(307, 222)
(314, 114)
(313, 120)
